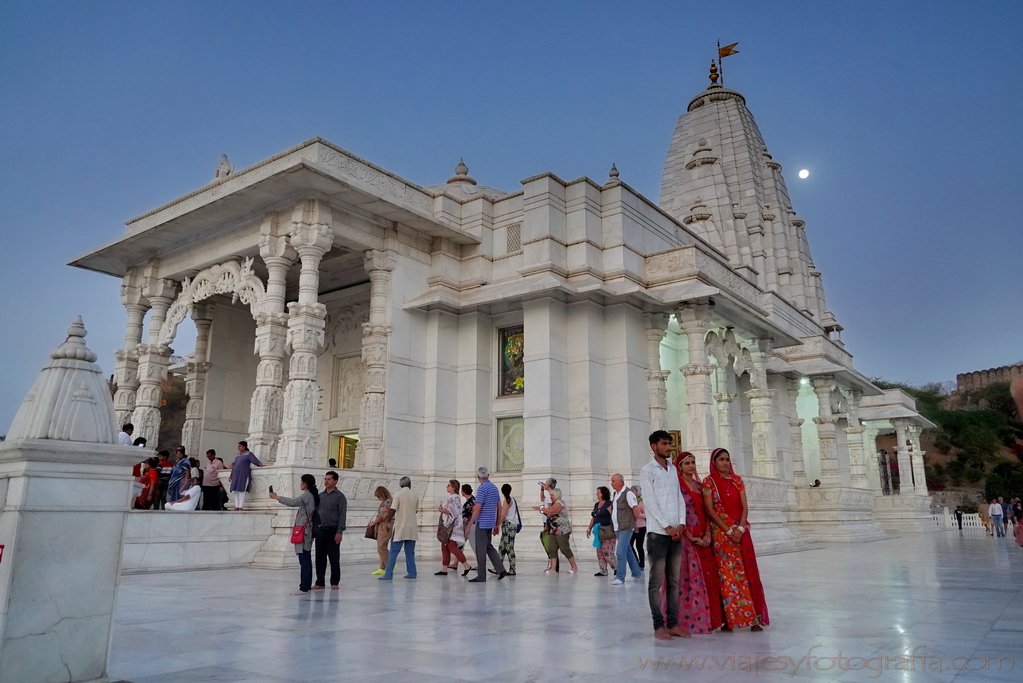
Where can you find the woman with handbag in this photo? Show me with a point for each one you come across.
(511, 523)
(561, 529)
(379, 528)
(302, 532)
(606, 539)
(451, 530)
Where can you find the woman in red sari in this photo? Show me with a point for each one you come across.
(698, 533)
(742, 594)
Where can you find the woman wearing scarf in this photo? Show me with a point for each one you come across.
(698, 533)
(742, 593)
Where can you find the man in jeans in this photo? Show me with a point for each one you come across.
(333, 512)
(665, 521)
(623, 501)
(405, 505)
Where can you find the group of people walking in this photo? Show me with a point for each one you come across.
(999, 516)
(703, 573)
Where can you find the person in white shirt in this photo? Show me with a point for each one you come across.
(124, 438)
(623, 502)
(665, 521)
(995, 511)
(188, 501)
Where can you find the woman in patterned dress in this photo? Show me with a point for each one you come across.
(698, 533)
(742, 594)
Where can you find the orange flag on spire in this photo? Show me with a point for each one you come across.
(727, 50)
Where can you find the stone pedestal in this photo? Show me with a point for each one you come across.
(62, 511)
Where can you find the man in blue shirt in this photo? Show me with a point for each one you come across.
(484, 516)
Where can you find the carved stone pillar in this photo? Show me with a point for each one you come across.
(793, 387)
(724, 401)
(826, 430)
(379, 265)
(699, 397)
(311, 236)
(195, 381)
(266, 409)
(854, 440)
(126, 365)
(919, 473)
(153, 359)
(657, 392)
(761, 403)
(905, 458)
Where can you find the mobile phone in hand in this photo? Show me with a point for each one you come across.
(271, 488)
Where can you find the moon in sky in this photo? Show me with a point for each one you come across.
(804, 174)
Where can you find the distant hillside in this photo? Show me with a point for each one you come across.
(978, 441)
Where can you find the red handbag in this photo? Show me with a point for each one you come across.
(298, 533)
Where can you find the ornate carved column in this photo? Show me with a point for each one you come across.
(153, 358)
(126, 364)
(657, 392)
(826, 430)
(724, 400)
(379, 265)
(761, 403)
(195, 381)
(793, 387)
(266, 409)
(919, 473)
(311, 236)
(905, 458)
(693, 318)
(854, 440)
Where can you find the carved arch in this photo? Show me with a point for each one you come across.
(728, 351)
(230, 277)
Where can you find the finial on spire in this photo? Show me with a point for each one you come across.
(613, 173)
(461, 168)
(713, 72)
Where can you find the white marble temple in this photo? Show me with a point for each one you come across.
(376, 314)
(946, 595)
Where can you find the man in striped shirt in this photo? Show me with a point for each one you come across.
(484, 516)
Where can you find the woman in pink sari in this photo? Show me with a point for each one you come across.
(699, 534)
(741, 591)
(693, 607)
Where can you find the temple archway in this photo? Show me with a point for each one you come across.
(231, 277)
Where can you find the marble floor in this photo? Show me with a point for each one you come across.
(937, 607)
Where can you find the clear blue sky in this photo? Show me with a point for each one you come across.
(907, 115)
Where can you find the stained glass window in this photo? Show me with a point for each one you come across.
(513, 369)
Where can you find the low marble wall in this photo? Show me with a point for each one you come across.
(157, 541)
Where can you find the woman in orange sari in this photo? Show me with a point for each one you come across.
(742, 594)
(698, 533)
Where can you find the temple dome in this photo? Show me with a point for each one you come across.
(462, 187)
(70, 400)
(721, 182)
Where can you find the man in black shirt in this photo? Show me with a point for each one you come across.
(332, 512)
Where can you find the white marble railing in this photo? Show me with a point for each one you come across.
(947, 520)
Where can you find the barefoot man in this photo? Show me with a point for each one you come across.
(665, 520)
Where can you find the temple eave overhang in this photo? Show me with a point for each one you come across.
(316, 170)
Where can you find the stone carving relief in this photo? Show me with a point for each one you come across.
(348, 386)
(231, 277)
(343, 321)
(383, 183)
